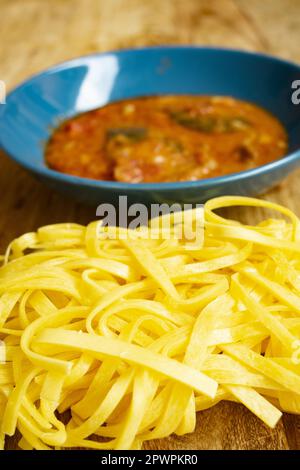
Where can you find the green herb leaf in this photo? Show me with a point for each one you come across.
(132, 133)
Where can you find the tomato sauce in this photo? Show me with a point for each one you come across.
(166, 138)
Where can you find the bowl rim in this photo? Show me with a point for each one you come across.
(44, 171)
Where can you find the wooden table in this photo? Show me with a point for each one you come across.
(35, 34)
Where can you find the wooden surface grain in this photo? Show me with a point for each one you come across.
(35, 34)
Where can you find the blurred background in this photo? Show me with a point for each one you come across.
(37, 33)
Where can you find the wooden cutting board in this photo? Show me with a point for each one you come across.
(35, 35)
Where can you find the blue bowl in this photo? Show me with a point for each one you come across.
(37, 105)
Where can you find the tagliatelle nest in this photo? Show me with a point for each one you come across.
(133, 335)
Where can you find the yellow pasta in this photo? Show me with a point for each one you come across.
(133, 334)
